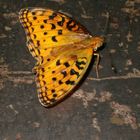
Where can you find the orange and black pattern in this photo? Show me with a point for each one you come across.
(63, 49)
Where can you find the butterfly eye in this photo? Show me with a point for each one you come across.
(95, 49)
(98, 45)
(97, 42)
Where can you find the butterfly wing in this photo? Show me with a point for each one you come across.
(51, 39)
(56, 79)
(46, 29)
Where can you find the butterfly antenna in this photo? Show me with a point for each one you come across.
(106, 27)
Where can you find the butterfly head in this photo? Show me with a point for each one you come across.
(96, 42)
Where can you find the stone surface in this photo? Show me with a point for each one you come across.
(107, 108)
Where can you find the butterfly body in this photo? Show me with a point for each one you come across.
(63, 49)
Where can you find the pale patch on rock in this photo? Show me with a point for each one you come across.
(12, 108)
(84, 96)
(112, 51)
(134, 73)
(7, 28)
(104, 96)
(87, 97)
(95, 124)
(131, 9)
(122, 114)
(129, 62)
(36, 124)
(18, 136)
(129, 37)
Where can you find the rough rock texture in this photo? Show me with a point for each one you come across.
(107, 108)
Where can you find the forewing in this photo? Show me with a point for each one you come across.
(46, 28)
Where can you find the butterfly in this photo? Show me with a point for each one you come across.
(63, 49)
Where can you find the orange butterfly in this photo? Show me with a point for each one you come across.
(63, 49)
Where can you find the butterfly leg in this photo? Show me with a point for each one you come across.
(97, 64)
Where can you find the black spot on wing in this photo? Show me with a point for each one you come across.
(34, 18)
(60, 23)
(45, 33)
(54, 79)
(32, 29)
(66, 64)
(48, 59)
(54, 95)
(79, 63)
(41, 26)
(33, 13)
(42, 69)
(52, 16)
(34, 36)
(54, 39)
(58, 63)
(53, 26)
(38, 43)
(45, 20)
(59, 32)
(64, 73)
(60, 82)
(53, 90)
(73, 72)
(53, 71)
(69, 82)
(71, 24)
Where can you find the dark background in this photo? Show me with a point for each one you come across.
(107, 108)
